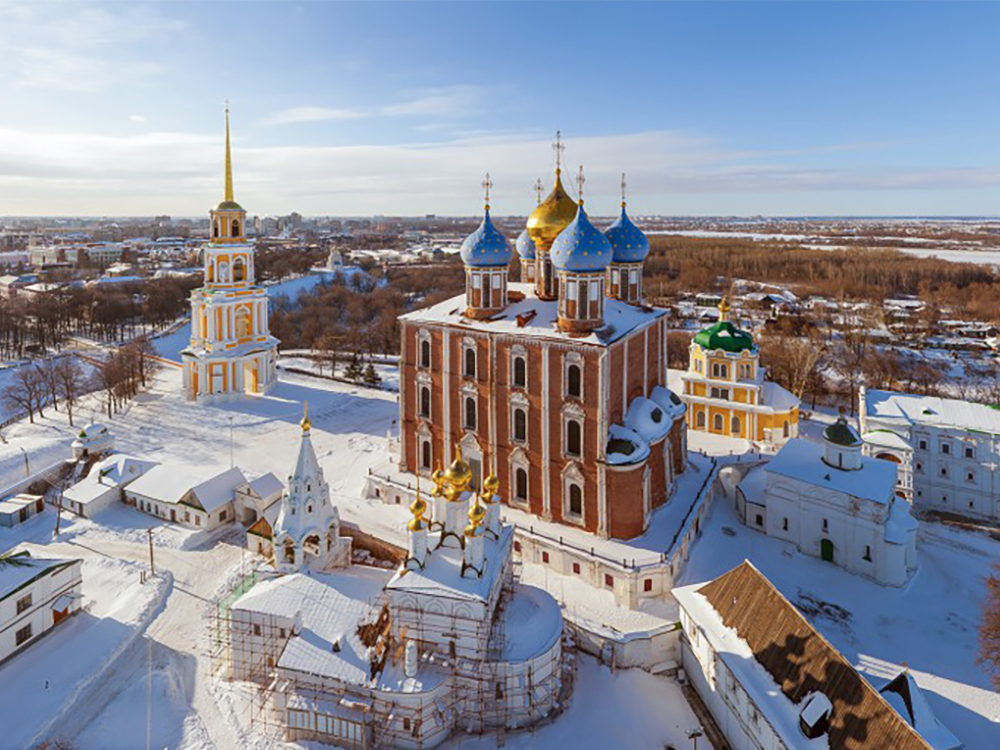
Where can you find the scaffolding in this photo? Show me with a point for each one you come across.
(484, 698)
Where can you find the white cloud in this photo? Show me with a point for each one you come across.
(447, 101)
(136, 118)
(313, 114)
(181, 173)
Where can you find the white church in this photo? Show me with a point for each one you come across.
(834, 503)
(360, 656)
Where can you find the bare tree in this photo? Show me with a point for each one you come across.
(989, 628)
(70, 383)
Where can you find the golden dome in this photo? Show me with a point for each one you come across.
(459, 474)
(437, 476)
(476, 515)
(491, 485)
(417, 508)
(306, 423)
(552, 215)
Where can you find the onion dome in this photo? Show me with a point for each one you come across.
(486, 247)
(552, 215)
(437, 476)
(491, 485)
(725, 336)
(841, 433)
(477, 513)
(459, 474)
(581, 246)
(627, 241)
(418, 507)
(525, 246)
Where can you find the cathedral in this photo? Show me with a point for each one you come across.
(557, 385)
(232, 352)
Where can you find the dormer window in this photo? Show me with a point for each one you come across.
(814, 717)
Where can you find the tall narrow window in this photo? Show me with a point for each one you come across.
(470, 413)
(520, 372)
(520, 426)
(574, 438)
(425, 353)
(736, 426)
(425, 454)
(575, 506)
(236, 228)
(717, 422)
(582, 310)
(425, 401)
(470, 362)
(521, 484)
(485, 300)
(574, 381)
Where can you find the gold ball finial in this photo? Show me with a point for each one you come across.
(491, 486)
(459, 474)
(306, 423)
(476, 515)
(418, 507)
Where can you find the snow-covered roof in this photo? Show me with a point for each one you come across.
(781, 661)
(215, 492)
(931, 410)
(266, 485)
(752, 485)
(669, 401)
(901, 525)
(625, 446)
(777, 397)
(171, 483)
(15, 574)
(620, 318)
(803, 460)
(647, 418)
(331, 606)
(906, 697)
(117, 470)
(886, 439)
(442, 572)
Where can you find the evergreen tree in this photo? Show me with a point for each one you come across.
(372, 378)
(354, 371)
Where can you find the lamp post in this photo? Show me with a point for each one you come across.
(693, 736)
(27, 464)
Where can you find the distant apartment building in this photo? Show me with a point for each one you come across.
(948, 450)
(96, 253)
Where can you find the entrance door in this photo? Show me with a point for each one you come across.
(826, 550)
(173, 515)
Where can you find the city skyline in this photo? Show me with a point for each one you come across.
(398, 109)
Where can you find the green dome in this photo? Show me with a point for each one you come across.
(229, 206)
(841, 433)
(724, 335)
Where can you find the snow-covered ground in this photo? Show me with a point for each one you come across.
(930, 623)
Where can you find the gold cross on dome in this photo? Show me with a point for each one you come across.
(487, 183)
(539, 187)
(580, 180)
(623, 190)
(558, 147)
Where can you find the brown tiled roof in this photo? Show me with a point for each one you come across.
(802, 661)
(261, 527)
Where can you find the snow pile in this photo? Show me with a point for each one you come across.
(669, 401)
(901, 524)
(646, 418)
(625, 446)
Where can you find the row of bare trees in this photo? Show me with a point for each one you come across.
(61, 381)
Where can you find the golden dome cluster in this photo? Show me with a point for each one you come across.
(552, 215)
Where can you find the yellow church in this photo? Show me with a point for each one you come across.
(726, 392)
(232, 352)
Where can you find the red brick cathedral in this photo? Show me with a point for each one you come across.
(559, 383)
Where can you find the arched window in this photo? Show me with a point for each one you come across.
(520, 372)
(521, 484)
(717, 422)
(470, 413)
(425, 401)
(723, 371)
(425, 454)
(236, 228)
(520, 425)
(215, 229)
(574, 381)
(701, 419)
(242, 323)
(736, 426)
(574, 438)
(575, 505)
(239, 270)
(470, 362)
(425, 353)
(786, 430)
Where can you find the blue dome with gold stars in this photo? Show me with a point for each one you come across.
(627, 240)
(581, 246)
(486, 247)
(525, 246)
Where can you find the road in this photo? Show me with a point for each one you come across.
(175, 640)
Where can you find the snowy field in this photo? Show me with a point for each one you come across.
(930, 624)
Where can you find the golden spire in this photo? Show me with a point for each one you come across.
(306, 423)
(555, 213)
(229, 161)
(724, 309)
(418, 507)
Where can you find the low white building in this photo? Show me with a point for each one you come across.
(949, 448)
(832, 502)
(256, 497)
(36, 594)
(181, 495)
(94, 440)
(771, 681)
(19, 508)
(104, 485)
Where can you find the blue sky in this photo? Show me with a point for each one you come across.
(361, 108)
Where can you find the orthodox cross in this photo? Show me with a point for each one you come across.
(623, 190)
(538, 190)
(487, 184)
(558, 147)
(580, 180)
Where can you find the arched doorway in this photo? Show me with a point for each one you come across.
(826, 550)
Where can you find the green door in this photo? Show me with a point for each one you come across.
(826, 550)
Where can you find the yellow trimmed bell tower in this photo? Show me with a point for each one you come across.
(232, 351)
